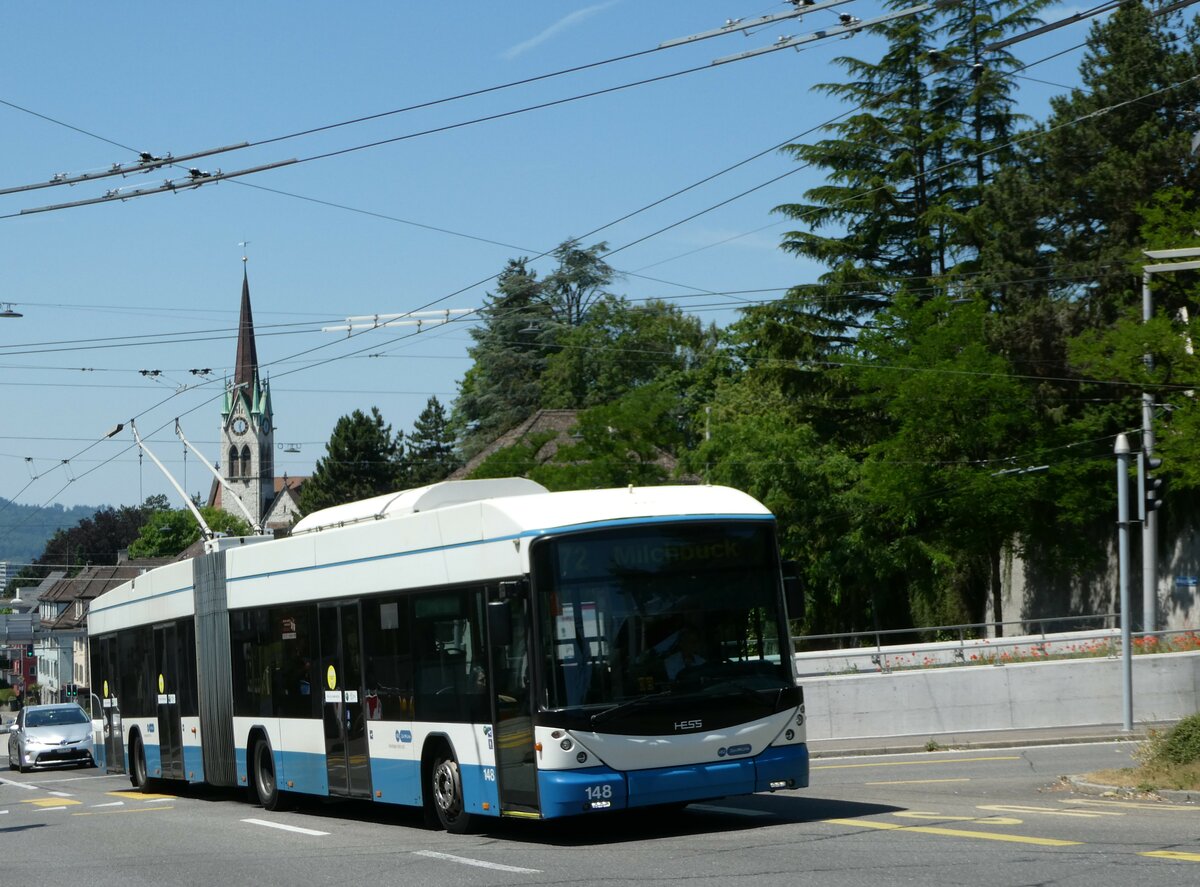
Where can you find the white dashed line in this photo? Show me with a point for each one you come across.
(286, 828)
(477, 862)
(24, 785)
(111, 804)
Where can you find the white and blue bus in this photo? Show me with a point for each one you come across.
(475, 648)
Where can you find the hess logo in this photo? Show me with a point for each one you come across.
(688, 725)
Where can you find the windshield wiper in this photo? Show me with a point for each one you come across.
(636, 702)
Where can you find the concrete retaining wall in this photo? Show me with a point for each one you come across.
(1067, 693)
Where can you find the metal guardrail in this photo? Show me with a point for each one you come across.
(969, 631)
(963, 645)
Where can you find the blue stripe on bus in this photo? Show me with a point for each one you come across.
(392, 781)
(193, 763)
(526, 534)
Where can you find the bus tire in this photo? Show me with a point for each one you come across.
(137, 765)
(263, 781)
(446, 792)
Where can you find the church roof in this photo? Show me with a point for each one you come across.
(246, 368)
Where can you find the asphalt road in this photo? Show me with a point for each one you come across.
(980, 817)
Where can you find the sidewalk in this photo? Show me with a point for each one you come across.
(882, 745)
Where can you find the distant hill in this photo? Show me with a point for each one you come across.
(25, 529)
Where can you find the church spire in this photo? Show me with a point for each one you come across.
(246, 368)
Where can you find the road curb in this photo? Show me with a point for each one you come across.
(1079, 784)
(951, 745)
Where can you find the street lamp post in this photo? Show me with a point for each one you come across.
(1121, 450)
(1150, 525)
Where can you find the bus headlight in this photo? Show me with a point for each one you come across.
(566, 744)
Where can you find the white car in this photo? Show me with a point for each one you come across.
(50, 736)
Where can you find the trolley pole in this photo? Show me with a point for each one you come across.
(1121, 449)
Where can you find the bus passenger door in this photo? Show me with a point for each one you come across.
(170, 729)
(511, 711)
(114, 746)
(347, 758)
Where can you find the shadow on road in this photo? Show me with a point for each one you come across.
(740, 813)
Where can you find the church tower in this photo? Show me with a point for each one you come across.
(247, 425)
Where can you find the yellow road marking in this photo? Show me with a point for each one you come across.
(954, 833)
(141, 796)
(1172, 854)
(989, 820)
(1047, 811)
(51, 802)
(914, 763)
(916, 781)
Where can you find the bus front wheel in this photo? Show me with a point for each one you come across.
(137, 765)
(447, 794)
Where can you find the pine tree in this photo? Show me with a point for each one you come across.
(431, 446)
(362, 459)
(503, 386)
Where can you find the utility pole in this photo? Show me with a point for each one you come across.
(1150, 525)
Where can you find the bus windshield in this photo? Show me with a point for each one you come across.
(659, 611)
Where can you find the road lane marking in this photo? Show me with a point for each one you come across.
(110, 804)
(60, 794)
(916, 781)
(465, 860)
(988, 820)
(1172, 854)
(915, 763)
(52, 803)
(1047, 811)
(286, 828)
(25, 785)
(142, 796)
(953, 833)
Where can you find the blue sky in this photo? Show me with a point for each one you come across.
(162, 79)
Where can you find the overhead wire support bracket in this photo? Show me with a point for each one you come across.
(734, 25)
(148, 163)
(205, 530)
(258, 529)
(852, 27)
(195, 179)
(411, 318)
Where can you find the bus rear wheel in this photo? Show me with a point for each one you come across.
(445, 783)
(266, 786)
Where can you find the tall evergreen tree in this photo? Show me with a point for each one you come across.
(503, 385)
(362, 459)
(431, 446)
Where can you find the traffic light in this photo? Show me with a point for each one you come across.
(72, 691)
(29, 649)
(1149, 486)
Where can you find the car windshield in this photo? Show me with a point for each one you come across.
(662, 610)
(55, 717)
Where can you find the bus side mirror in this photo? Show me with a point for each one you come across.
(793, 590)
(500, 627)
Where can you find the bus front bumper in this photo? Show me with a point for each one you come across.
(595, 789)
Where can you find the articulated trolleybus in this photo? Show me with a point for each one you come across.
(475, 648)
